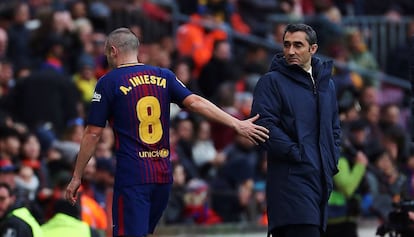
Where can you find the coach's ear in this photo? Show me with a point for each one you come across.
(313, 48)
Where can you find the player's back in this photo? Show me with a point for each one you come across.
(136, 101)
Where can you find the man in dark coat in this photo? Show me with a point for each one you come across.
(296, 101)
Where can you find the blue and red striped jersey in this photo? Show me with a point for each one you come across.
(135, 100)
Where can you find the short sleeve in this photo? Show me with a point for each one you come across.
(177, 89)
(100, 108)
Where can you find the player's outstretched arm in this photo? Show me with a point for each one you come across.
(246, 128)
(89, 141)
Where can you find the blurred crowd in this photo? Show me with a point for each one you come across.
(52, 55)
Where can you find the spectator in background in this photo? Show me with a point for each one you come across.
(254, 64)
(360, 56)
(4, 43)
(14, 218)
(196, 39)
(91, 211)
(19, 34)
(174, 213)
(371, 115)
(58, 30)
(77, 9)
(357, 138)
(54, 57)
(233, 184)
(387, 184)
(66, 222)
(88, 185)
(259, 189)
(408, 171)
(245, 212)
(98, 53)
(243, 103)
(45, 96)
(390, 115)
(327, 22)
(347, 82)
(197, 207)
(103, 188)
(74, 131)
(103, 179)
(349, 110)
(369, 94)
(277, 34)
(27, 181)
(183, 126)
(204, 154)
(85, 79)
(34, 174)
(241, 158)
(395, 141)
(219, 69)
(344, 202)
(103, 150)
(183, 68)
(83, 30)
(7, 81)
(39, 36)
(255, 14)
(108, 137)
(69, 141)
(8, 175)
(10, 144)
(221, 135)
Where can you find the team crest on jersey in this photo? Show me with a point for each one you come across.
(96, 97)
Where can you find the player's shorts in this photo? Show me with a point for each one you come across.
(137, 209)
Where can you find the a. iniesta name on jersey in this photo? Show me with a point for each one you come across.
(143, 80)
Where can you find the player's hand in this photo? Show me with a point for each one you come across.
(72, 190)
(252, 131)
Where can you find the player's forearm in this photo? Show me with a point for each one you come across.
(207, 109)
(87, 148)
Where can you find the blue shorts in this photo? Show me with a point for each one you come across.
(137, 209)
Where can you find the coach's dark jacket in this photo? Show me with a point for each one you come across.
(303, 148)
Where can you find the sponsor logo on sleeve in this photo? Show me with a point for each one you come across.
(96, 97)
